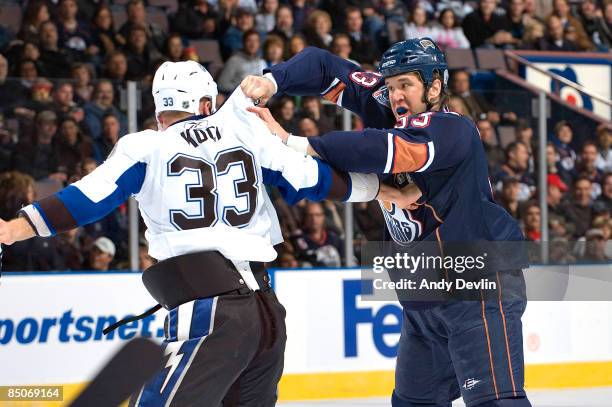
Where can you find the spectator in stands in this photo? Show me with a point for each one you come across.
(603, 204)
(191, 18)
(82, 75)
(580, 209)
(564, 134)
(38, 254)
(517, 19)
(55, 61)
(605, 26)
(457, 104)
(75, 34)
(39, 159)
(63, 99)
(318, 29)
(495, 154)
(586, 167)
(87, 166)
(103, 34)
(509, 198)
(116, 66)
(273, 50)
(144, 260)
(72, 146)
(534, 34)
(318, 245)
(562, 11)
(243, 63)
(589, 16)
(555, 189)
(307, 127)
(7, 145)
(70, 248)
(174, 48)
(313, 108)
(417, 25)
(370, 220)
(554, 164)
(101, 105)
(233, 39)
(524, 133)
(36, 13)
(517, 166)
(532, 221)
(555, 39)
(363, 50)
(265, 20)
(284, 112)
(137, 17)
(535, 10)
(101, 255)
(284, 23)
(483, 27)
(140, 57)
(300, 11)
(393, 10)
(341, 46)
(40, 99)
(296, 44)
(604, 142)
(110, 135)
(448, 34)
(287, 260)
(477, 105)
(595, 247)
(11, 91)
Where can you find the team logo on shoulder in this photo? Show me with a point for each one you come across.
(382, 96)
(427, 44)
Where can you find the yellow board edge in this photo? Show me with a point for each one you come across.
(337, 385)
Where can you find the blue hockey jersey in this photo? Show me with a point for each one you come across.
(440, 151)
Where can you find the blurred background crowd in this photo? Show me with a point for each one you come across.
(64, 65)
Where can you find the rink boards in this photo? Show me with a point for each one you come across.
(338, 344)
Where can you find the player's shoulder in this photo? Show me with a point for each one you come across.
(140, 143)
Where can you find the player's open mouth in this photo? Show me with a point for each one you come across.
(401, 110)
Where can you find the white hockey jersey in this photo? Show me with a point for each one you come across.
(199, 185)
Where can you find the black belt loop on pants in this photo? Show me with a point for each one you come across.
(188, 277)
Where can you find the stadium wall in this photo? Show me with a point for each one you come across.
(338, 345)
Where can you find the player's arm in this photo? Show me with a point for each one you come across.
(316, 72)
(429, 142)
(85, 201)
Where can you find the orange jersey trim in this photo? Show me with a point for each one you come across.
(408, 157)
(334, 93)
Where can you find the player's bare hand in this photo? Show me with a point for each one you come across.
(258, 88)
(264, 114)
(405, 198)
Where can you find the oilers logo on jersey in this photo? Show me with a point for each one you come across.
(402, 227)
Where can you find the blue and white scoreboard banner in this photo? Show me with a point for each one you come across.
(591, 70)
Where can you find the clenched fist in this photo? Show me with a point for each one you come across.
(258, 88)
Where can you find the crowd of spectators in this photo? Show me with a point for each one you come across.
(62, 104)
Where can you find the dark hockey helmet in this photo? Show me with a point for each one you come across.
(420, 55)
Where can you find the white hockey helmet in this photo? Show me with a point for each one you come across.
(179, 86)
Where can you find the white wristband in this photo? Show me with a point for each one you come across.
(364, 187)
(271, 78)
(299, 144)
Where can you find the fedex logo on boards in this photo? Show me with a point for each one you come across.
(385, 322)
